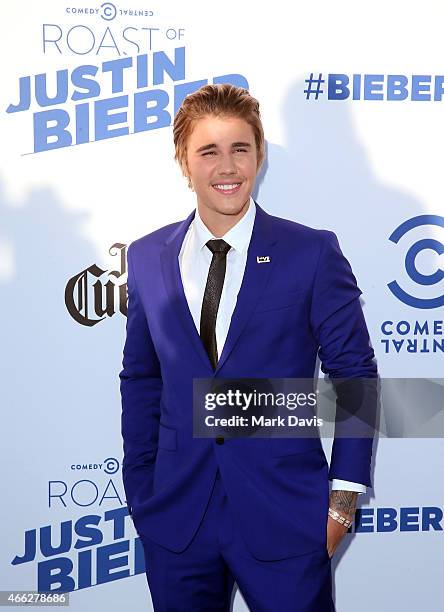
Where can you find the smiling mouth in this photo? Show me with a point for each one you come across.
(227, 189)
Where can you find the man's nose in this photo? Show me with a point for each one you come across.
(227, 165)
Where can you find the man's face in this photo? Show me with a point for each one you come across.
(222, 163)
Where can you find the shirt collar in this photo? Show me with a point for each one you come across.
(238, 237)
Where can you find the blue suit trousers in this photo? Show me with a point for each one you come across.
(201, 578)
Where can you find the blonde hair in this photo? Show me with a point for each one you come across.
(220, 100)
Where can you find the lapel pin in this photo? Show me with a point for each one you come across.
(265, 259)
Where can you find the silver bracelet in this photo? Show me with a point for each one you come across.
(339, 518)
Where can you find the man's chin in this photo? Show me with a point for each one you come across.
(232, 207)
(227, 206)
(232, 211)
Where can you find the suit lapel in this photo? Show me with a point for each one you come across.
(256, 274)
(255, 278)
(169, 259)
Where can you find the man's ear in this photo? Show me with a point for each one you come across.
(260, 165)
(186, 174)
(184, 166)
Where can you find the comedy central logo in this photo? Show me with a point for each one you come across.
(418, 249)
(108, 11)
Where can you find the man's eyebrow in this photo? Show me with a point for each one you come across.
(214, 146)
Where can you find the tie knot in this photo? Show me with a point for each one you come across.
(218, 246)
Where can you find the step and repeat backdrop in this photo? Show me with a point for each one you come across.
(352, 100)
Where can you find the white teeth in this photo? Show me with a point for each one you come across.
(226, 187)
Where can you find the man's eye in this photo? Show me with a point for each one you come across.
(214, 152)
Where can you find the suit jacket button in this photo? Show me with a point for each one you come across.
(219, 440)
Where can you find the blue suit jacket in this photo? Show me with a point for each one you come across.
(304, 302)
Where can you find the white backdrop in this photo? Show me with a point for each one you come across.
(360, 167)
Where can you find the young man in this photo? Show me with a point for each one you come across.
(202, 303)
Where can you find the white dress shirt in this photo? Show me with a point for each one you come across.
(194, 263)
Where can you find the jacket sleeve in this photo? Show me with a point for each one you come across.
(345, 352)
(140, 388)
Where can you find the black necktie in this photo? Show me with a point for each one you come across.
(211, 298)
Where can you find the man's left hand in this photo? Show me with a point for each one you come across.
(343, 502)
